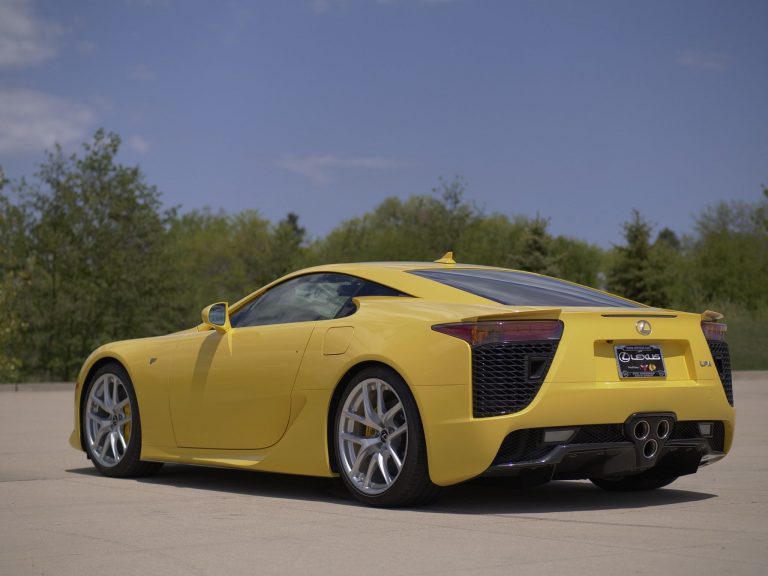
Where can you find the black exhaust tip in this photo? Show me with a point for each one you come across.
(650, 448)
(663, 428)
(641, 430)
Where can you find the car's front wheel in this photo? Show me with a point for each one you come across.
(111, 424)
(379, 441)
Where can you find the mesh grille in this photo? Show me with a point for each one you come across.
(521, 446)
(506, 376)
(526, 445)
(718, 437)
(687, 430)
(599, 434)
(722, 358)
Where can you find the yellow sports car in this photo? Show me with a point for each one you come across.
(403, 378)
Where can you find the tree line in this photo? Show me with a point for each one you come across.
(89, 254)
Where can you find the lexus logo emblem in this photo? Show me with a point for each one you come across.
(643, 327)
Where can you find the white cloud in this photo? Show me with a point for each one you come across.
(319, 169)
(31, 121)
(138, 144)
(86, 47)
(707, 61)
(320, 6)
(25, 39)
(142, 72)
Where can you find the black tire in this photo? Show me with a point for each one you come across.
(648, 480)
(106, 420)
(411, 485)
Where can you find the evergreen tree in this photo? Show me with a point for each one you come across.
(634, 273)
(287, 242)
(535, 250)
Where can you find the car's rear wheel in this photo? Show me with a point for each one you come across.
(112, 426)
(379, 441)
(649, 480)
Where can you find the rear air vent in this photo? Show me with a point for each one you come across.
(506, 376)
(722, 357)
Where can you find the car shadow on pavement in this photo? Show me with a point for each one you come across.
(499, 496)
(245, 482)
(479, 496)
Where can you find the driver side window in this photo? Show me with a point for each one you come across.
(303, 299)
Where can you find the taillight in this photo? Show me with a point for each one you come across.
(714, 330)
(502, 331)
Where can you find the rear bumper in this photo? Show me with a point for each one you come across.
(461, 447)
(611, 459)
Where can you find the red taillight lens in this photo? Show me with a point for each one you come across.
(714, 330)
(502, 331)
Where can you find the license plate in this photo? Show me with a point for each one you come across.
(640, 361)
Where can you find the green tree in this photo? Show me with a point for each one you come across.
(223, 257)
(494, 240)
(730, 254)
(218, 257)
(207, 266)
(669, 239)
(287, 247)
(761, 213)
(726, 269)
(13, 281)
(578, 261)
(420, 228)
(634, 272)
(535, 249)
(96, 257)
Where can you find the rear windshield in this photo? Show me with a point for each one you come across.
(521, 289)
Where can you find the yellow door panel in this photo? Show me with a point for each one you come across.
(233, 390)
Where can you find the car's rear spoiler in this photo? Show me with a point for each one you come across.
(711, 316)
(554, 313)
(538, 314)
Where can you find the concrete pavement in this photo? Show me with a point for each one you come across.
(58, 516)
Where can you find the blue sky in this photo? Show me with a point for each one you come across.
(577, 111)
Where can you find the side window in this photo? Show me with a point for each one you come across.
(302, 299)
(366, 288)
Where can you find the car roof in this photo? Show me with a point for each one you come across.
(397, 275)
(402, 266)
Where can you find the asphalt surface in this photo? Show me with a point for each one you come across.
(58, 516)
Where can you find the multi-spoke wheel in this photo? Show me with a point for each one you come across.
(379, 441)
(111, 425)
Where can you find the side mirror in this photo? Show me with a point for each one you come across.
(217, 316)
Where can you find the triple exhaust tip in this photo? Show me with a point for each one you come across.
(641, 432)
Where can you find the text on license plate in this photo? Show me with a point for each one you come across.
(640, 361)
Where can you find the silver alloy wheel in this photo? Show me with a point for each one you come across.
(373, 436)
(108, 420)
